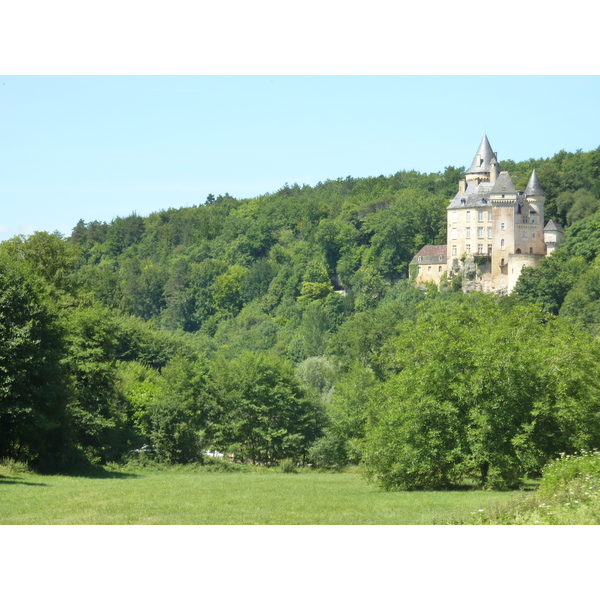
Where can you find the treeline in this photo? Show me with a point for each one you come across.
(284, 327)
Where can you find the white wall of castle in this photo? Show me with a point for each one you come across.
(512, 239)
(516, 262)
(433, 273)
(469, 232)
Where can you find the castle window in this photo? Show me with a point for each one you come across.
(480, 232)
(468, 216)
(479, 248)
(440, 269)
(453, 250)
(463, 201)
(468, 248)
(530, 250)
(483, 201)
(429, 269)
(420, 259)
(468, 233)
(419, 268)
(489, 215)
(480, 215)
(489, 249)
(454, 216)
(489, 233)
(501, 244)
(502, 226)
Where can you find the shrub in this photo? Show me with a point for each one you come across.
(220, 465)
(568, 494)
(10, 467)
(568, 470)
(287, 466)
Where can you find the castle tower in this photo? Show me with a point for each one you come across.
(504, 200)
(483, 164)
(535, 196)
(553, 236)
(532, 218)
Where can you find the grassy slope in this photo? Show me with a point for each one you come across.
(223, 498)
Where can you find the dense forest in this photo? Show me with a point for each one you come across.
(287, 327)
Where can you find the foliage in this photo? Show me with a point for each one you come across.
(95, 409)
(264, 415)
(34, 388)
(287, 466)
(477, 390)
(274, 327)
(568, 494)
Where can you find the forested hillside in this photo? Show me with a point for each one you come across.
(285, 326)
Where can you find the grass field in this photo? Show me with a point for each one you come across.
(175, 497)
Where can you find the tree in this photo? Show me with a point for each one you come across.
(96, 409)
(265, 416)
(34, 388)
(179, 418)
(478, 390)
(227, 290)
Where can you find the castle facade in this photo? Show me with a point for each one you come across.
(494, 230)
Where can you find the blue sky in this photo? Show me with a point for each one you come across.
(97, 147)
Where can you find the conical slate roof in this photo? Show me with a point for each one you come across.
(533, 187)
(486, 154)
(552, 226)
(503, 185)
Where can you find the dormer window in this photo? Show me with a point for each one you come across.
(483, 201)
(463, 201)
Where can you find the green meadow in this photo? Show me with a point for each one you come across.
(177, 497)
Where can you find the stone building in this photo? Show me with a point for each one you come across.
(494, 230)
(431, 261)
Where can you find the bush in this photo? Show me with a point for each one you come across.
(287, 466)
(569, 470)
(221, 465)
(568, 494)
(328, 452)
(10, 467)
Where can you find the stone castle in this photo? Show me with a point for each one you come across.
(494, 230)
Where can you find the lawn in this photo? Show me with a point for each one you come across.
(175, 497)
